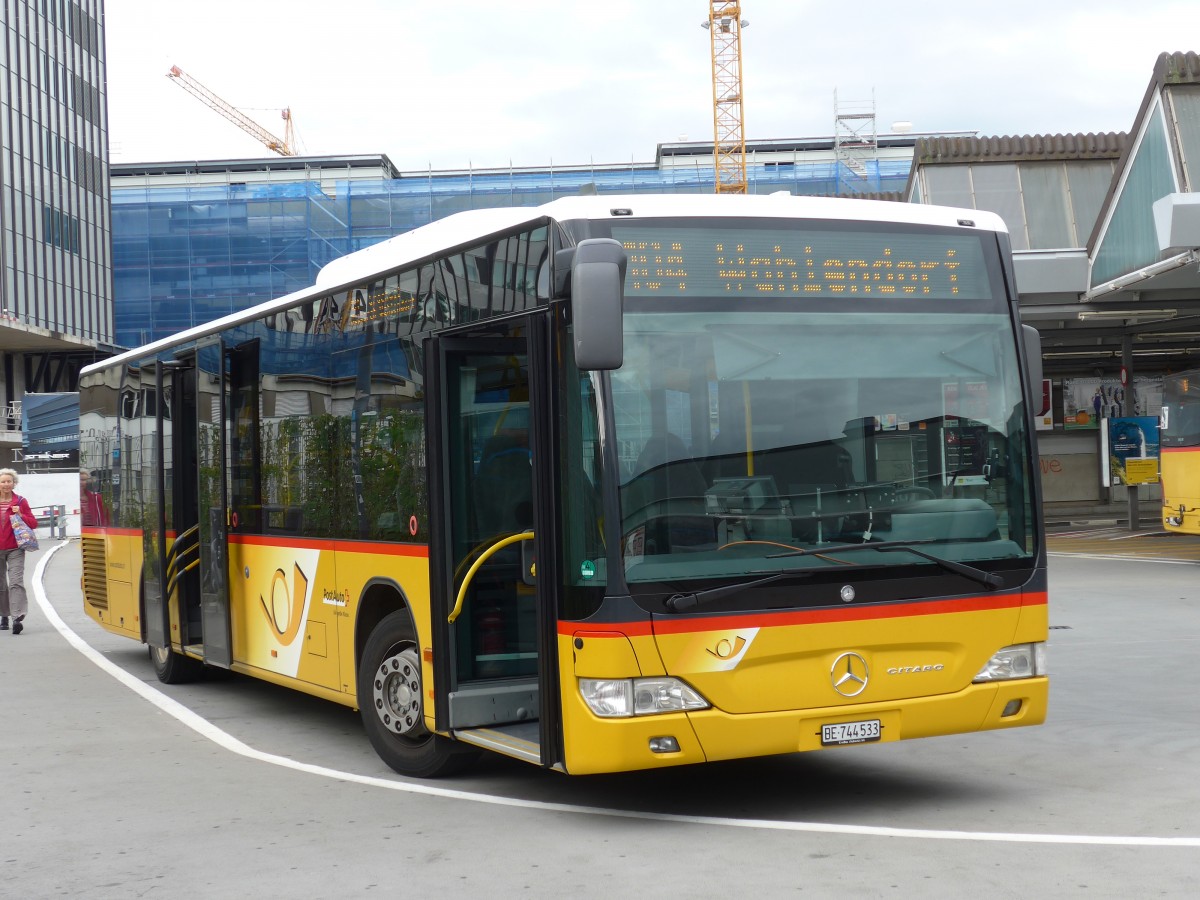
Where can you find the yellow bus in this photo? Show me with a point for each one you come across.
(1179, 452)
(612, 483)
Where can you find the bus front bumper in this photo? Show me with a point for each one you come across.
(618, 745)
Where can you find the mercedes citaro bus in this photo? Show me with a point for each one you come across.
(613, 483)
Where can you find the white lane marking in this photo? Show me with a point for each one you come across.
(1121, 558)
(206, 729)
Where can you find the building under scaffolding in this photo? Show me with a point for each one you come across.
(198, 240)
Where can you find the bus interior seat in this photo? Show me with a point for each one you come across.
(726, 457)
(822, 462)
(671, 487)
(665, 460)
(504, 485)
(816, 477)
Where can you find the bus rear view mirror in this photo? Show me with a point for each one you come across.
(597, 292)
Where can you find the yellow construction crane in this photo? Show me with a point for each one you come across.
(283, 146)
(725, 24)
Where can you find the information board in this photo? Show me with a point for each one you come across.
(778, 261)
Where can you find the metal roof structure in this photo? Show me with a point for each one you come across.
(1106, 227)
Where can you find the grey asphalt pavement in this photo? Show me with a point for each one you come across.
(105, 793)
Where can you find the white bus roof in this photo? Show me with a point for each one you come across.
(461, 228)
(464, 228)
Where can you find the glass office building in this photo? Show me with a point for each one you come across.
(196, 241)
(54, 198)
(56, 304)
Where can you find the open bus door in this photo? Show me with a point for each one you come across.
(217, 382)
(494, 616)
(156, 586)
(172, 584)
(186, 596)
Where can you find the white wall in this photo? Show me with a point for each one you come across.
(43, 489)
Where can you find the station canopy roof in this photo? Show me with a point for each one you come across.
(1105, 227)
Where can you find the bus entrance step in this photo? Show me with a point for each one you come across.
(519, 741)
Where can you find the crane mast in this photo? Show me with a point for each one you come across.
(283, 146)
(725, 26)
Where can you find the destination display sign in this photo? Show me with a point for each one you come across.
(797, 262)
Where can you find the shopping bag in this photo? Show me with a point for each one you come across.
(26, 539)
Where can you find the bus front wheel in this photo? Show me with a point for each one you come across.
(174, 668)
(391, 698)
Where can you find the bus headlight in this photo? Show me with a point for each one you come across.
(617, 698)
(1017, 661)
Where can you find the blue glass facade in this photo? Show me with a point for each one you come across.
(185, 254)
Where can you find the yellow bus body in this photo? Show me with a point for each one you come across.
(1180, 468)
(112, 578)
(769, 699)
(294, 602)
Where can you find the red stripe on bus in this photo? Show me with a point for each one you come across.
(813, 616)
(259, 540)
(105, 529)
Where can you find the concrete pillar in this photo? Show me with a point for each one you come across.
(1129, 408)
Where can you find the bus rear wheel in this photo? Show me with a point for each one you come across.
(391, 700)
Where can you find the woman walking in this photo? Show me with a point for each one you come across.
(13, 601)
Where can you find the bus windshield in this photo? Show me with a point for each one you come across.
(742, 434)
(795, 386)
(1181, 410)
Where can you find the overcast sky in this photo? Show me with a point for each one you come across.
(461, 83)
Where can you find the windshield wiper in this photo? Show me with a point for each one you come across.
(681, 601)
(989, 580)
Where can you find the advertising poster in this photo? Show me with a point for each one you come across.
(1045, 421)
(1087, 401)
(1127, 443)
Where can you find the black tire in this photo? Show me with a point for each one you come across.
(391, 697)
(175, 668)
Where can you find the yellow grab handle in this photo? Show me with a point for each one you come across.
(483, 557)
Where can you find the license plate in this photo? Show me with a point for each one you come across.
(851, 732)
